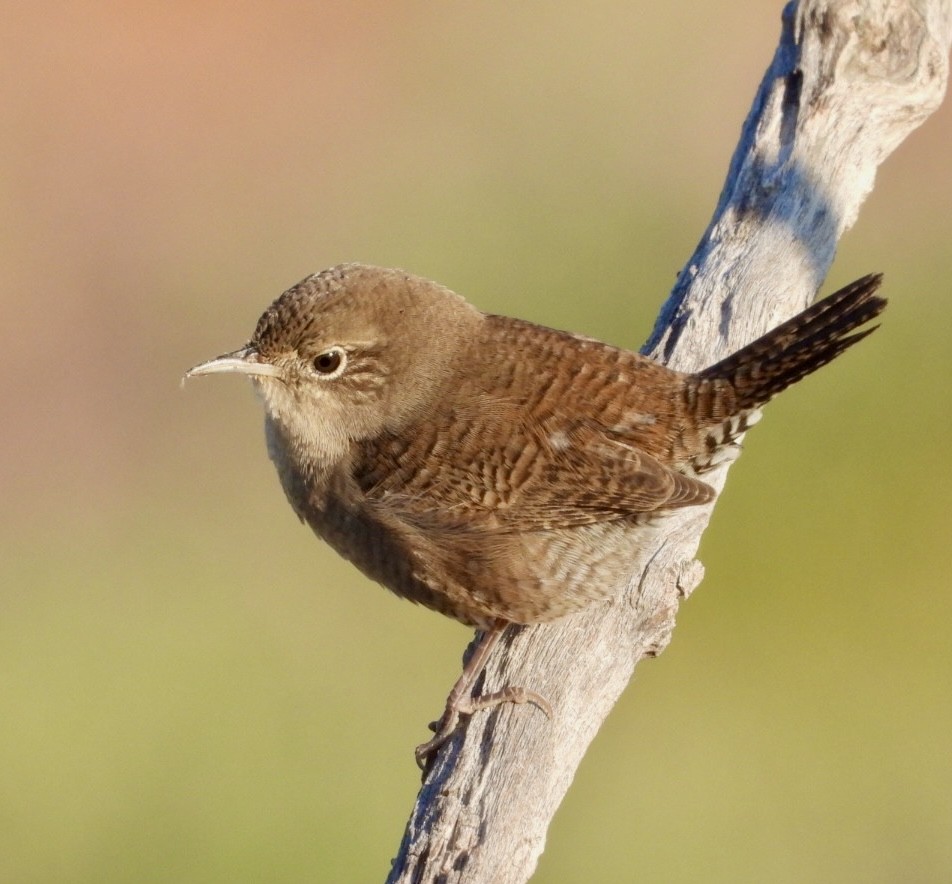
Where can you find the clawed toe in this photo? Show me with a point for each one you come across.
(465, 707)
(460, 702)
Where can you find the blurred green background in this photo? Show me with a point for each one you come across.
(191, 687)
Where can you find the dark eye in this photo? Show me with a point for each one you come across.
(329, 361)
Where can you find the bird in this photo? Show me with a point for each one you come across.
(497, 471)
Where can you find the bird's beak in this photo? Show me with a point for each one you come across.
(244, 361)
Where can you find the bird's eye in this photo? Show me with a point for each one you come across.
(329, 362)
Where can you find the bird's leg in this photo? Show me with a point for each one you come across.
(461, 702)
(456, 702)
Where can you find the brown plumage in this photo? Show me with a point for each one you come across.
(491, 469)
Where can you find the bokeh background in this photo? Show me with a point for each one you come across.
(191, 688)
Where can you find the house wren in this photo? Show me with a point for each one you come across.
(494, 470)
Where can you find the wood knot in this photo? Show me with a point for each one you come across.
(689, 575)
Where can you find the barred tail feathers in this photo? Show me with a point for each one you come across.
(796, 348)
(728, 395)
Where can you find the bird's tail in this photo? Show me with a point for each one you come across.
(801, 345)
(726, 397)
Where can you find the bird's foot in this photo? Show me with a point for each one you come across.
(459, 708)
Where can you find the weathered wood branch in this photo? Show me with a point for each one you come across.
(849, 81)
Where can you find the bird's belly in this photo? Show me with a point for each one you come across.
(530, 577)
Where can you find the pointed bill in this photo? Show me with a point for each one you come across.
(243, 361)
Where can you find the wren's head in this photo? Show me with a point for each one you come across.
(350, 353)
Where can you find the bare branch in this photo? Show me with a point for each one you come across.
(849, 81)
